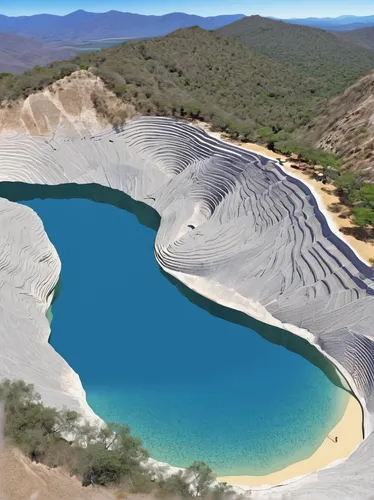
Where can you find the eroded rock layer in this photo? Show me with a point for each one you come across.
(233, 226)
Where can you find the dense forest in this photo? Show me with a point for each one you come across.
(330, 61)
(191, 73)
(198, 74)
(201, 74)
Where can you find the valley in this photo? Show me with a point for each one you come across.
(237, 340)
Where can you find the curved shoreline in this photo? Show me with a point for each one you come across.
(327, 455)
(332, 227)
(231, 299)
(287, 170)
(27, 191)
(208, 287)
(335, 452)
(293, 472)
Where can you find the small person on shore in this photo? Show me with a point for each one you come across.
(336, 439)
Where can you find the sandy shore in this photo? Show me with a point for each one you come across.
(349, 429)
(349, 434)
(325, 192)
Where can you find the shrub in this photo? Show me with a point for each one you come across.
(363, 216)
(202, 476)
(98, 465)
(102, 456)
(107, 455)
(119, 90)
(347, 183)
(359, 196)
(175, 486)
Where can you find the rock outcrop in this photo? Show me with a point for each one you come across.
(233, 227)
(75, 104)
(345, 125)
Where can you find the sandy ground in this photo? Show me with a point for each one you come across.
(325, 192)
(349, 434)
(21, 479)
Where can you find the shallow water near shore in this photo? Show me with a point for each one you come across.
(191, 378)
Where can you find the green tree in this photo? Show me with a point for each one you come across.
(360, 195)
(266, 133)
(28, 423)
(347, 183)
(101, 455)
(363, 216)
(365, 195)
(175, 486)
(202, 476)
(110, 455)
(98, 465)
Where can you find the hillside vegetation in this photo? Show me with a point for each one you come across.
(190, 73)
(198, 74)
(363, 37)
(330, 61)
(99, 455)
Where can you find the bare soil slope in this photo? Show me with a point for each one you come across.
(75, 105)
(22, 479)
(345, 125)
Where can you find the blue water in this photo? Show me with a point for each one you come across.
(192, 385)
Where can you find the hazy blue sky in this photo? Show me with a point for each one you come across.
(277, 8)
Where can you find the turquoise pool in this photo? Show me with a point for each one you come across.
(194, 380)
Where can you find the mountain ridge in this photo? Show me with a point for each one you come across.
(340, 23)
(81, 25)
(190, 72)
(317, 54)
(198, 74)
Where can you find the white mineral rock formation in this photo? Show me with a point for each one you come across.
(233, 227)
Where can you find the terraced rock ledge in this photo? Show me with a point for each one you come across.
(234, 228)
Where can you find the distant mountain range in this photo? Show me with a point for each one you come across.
(255, 79)
(18, 54)
(342, 23)
(81, 25)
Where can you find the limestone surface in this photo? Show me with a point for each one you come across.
(234, 228)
